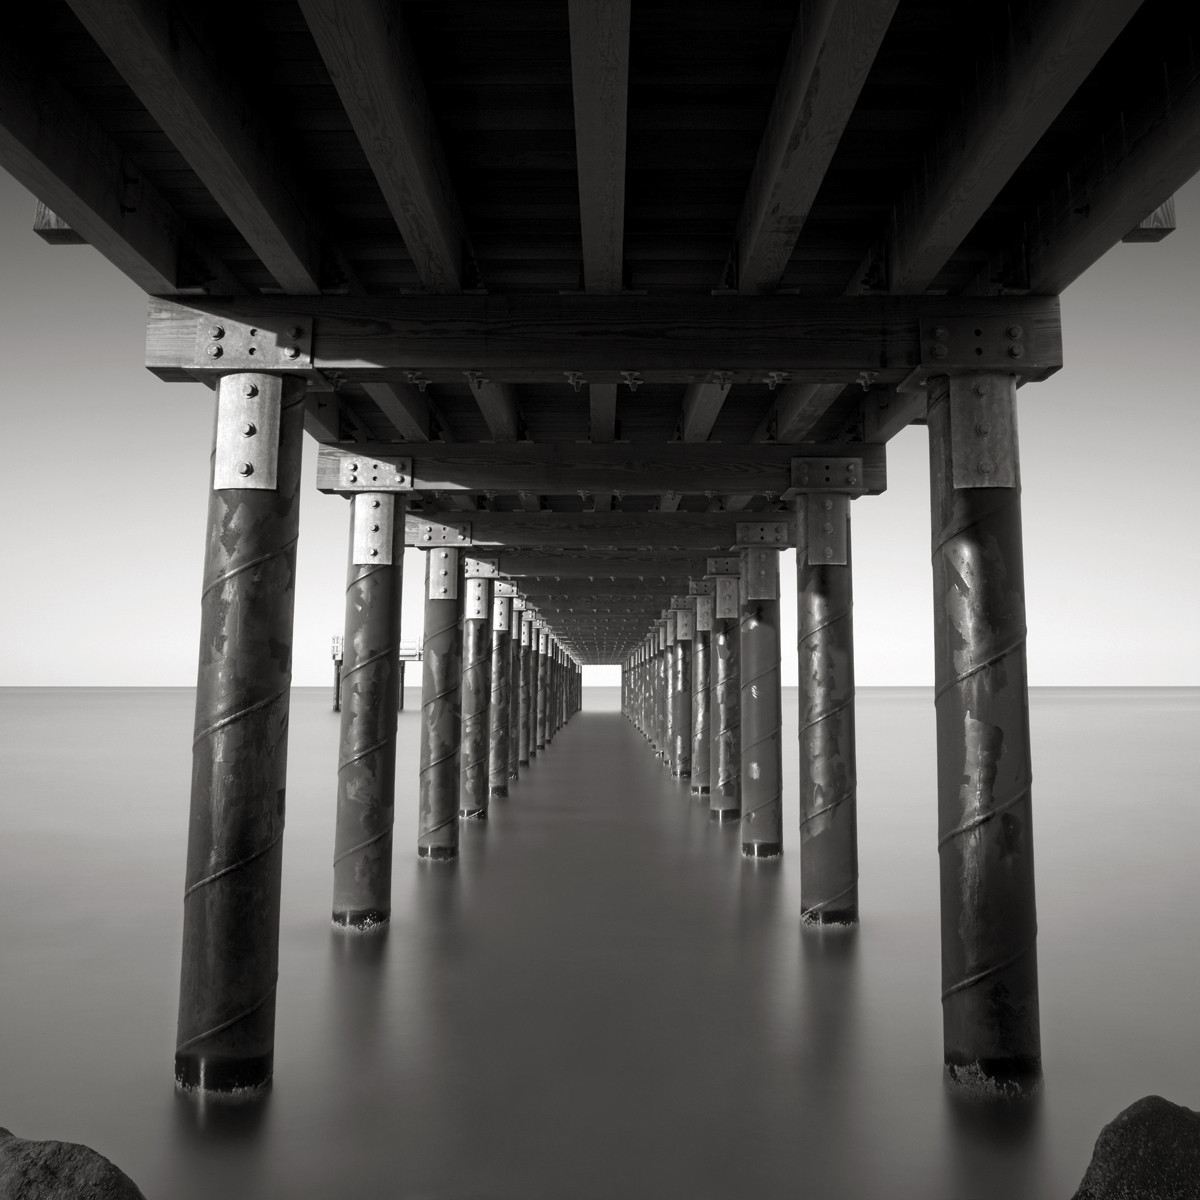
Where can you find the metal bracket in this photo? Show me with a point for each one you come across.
(477, 604)
(764, 533)
(828, 524)
(678, 601)
(366, 475)
(223, 344)
(501, 613)
(505, 587)
(480, 568)
(726, 597)
(247, 442)
(373, 522)
(974, 344)
(983, 431)
(671, 628)
(761, 572)
(518, 603)
(729, 565)
(828, 475)
(705, 611)
(443, 574)
(662, 634)
(526, 630)
(685, 624)
(437, 533)
(700, 587)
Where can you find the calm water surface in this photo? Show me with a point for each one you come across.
(601, 998)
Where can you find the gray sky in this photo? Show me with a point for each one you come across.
(104, 491)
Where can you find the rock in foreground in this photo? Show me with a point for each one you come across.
(59, 1171)
(1150, 1151)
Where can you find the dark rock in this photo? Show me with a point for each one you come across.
(59, 1171)
(1150, 1151)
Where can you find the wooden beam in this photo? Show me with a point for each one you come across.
(1136, 165)
(832, 48)
(601, 565)
(53, 230)
(1009, 105)
(599, 81)
(565, 468)
(1156, 226)
(702, 404)
(377, 75)
(588, 531)
(498, 403)
(217, 125)
(533, 338)
(405, 406)
(51, 144)
(602, 405)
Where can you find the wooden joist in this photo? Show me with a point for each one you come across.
(565, 468)
(702, 404)
(498, 404)
(599, 79)
(993, 129)
(601, 565)
(1135, 166)
(53, 146)
(377, 75)
(831, 52)
(585, 531)
(405, 406)
(534, 338)
(215, 124)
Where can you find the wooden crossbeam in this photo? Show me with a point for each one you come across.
(832, 48)
(534, 338)
(1147, 155)
(587, 531)
(1034, 73)
(601, 565)
(498, 404)
(564, 468)
(702, 404)
(377, 75)
(53, 146)
(602, 406)
(405, 406)
(216, 126)
(599, 79)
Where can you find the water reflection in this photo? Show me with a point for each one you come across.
(995, 1144)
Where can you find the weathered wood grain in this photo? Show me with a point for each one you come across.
(217, 126)
(1034, 73)
(377, 75)
(52, 145)
(405, 406)
(599, 80)
(832, 49)
(565, 468)
(531, 338)
(702, 404)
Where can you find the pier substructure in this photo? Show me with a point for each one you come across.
(499, 709)
(514, 689)
(441, 717)
(226, 1030)
(828, 771)
(473, 754)
(542, 674)
(985, 832)
(762, 706)
(725, 798)
(371, 682)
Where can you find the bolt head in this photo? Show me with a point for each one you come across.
(374, 552)
(938, 350)
(353, 478)
(983, 429)
(249, 390)
(827, 504)
(1015, 331)
(245, 468)
(249, 429)
(979, 390)
(294, 331)
(216, 331)
(940, 333)
(374, 503)
(1016, 351)
(828, 527)
(215, 352)
(828, 551)
(291, 352)
(985, 466)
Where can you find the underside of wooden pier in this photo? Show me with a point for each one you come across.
(579, 225)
